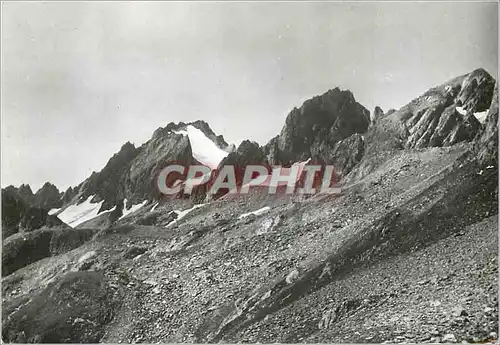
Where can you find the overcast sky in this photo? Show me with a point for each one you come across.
(79, 79)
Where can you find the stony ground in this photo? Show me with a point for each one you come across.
(408, 253)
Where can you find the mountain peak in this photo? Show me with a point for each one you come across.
(318, 124)
(25, 190)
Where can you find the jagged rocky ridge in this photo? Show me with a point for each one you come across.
(24, 211)
(408, 252)
(329, 128)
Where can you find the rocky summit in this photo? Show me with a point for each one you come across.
(407, 252)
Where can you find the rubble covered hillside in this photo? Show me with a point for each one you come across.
(406, 253)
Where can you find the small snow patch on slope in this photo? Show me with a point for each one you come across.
(481, 116)
(204, 150)
(132, 209)
(461, 110)
(53, 211)
(257, 213)
(75, 215)
(154, 207)
(182, 214)
(279, 171)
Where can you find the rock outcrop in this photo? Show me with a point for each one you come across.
(444, 115)
(84, 305)
(26, 194)
(331, 128)
(48, 196)
(343, 155)
(408, 249)
(106, 183)
(69, 194)
(132, 173)
(487, 140)
(317, 128)
(376, 114)
(249, 152)
(19, 216)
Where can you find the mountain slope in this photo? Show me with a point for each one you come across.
(406, 253)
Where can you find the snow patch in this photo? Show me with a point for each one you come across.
(182, 214)
(132, 209)
(54, 210)
(281, 171)
(204, 150)
(257, 213)
(461, 110)
(154, 207)
(181, 131)
(86, 256)
(75, 215)
(481, 116)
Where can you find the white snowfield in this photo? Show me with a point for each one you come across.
(204, 150)
(75, 215)
(182, 214)
(132, 209)
(260, 211)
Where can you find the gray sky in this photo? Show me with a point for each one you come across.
(79, 79)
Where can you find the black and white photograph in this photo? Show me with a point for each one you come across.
(249, 172)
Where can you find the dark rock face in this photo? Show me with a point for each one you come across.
(33, 218)
(132, 173)
(487, 140)
(441, 127)
(139, 181)
(325, 128)
(377, 113)
(320, 122)
(23, 249)
(73, 309)
(48, 197)
(106, 183)
(69, 194)
(13, 209)
(443, 116)
(344, 155)
(18, 216)
(26, 193)
(248, 153)
(273, 153)
(477, 91)
(150, 219)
